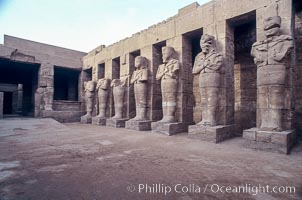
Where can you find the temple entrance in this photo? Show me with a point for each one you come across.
(245, 71)
(18, 81)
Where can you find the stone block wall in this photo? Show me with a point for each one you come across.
(298, 70)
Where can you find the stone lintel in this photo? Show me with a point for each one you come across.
(139, 125)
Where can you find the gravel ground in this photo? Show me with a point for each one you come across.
(43, 159)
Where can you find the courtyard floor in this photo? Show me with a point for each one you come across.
(43, 159)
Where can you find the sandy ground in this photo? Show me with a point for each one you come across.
(43, 159)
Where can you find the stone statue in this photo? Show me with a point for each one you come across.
(119, 88)
(89, 96)
(140, 80)
(168, 74)
(44, 98)
(209, 65)
(102, 88)
(272, 59)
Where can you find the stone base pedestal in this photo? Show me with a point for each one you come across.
(86, 120)
(101, 121)
(139, 125)
(169, 128)
(214, 134)
(117, 123)
(279, 142)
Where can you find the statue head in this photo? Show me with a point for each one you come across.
(272, 26)
(207, 43)
(140, 61)
(167, 53)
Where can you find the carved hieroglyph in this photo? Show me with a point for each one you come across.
(119, 88)
(168, 73)
(140, 80)
(102, 88)
(209, 65)
(272, 59)
(89, 96)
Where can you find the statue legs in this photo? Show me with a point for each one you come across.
(102, 100)
(118, 95)
(169, 94)
(89, 103)
(140, 92)
(209, 105)
(271, 104)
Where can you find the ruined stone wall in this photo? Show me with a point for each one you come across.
(47, 56)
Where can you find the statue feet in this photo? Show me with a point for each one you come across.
(87, 115)
(206, 123)
(273, 129)
(139, 118)
(167, 119)
(100, 116)
(117, 117)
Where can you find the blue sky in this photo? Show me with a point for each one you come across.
(82, 24)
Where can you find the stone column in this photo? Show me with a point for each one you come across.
(223, 127)
(1, 104)
(110, 74)
(127, 68)
(154, 110)
(184, 103)
(20, 98)
(275, 92)
(45, 89)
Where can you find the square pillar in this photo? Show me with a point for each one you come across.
(268, 140)
(1, 104)
(184, 112)
(154, 109)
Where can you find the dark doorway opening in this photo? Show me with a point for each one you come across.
(101, 70)
(66, 84)
(116, 68)
(8, 103)
(245, 70)
(14, 73)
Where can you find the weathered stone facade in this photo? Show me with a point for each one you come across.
(236, 102)
(32, 68)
